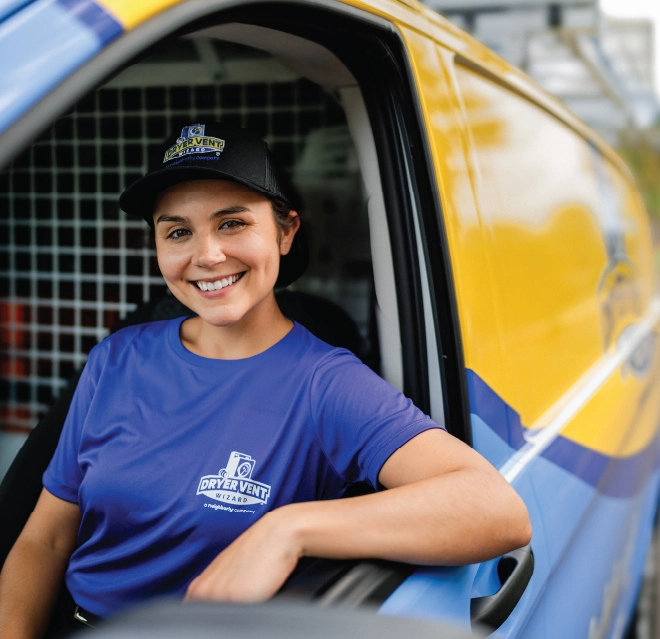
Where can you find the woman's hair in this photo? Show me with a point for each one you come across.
(294, 263)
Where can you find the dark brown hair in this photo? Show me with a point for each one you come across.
(294, 263)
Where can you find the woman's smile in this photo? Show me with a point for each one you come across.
(215, 287)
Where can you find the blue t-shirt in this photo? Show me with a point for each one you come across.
(171, 456)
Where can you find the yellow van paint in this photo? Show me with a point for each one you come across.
(550, 336)
(471, 51)
(131, 13)
(545, 248)
(621, 419)
(449, 149)
(543, 322)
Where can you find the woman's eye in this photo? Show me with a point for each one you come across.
(177, 234)
(232, 224)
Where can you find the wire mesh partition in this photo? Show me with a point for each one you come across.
(71, 263)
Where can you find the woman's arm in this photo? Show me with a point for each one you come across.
(445, 505)
(32, 574)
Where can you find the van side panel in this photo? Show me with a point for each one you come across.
(449, 146)
(538, 195)
(578, 402)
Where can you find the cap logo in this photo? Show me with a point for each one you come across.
(193, 141)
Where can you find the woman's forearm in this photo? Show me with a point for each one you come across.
(461, 517)
(445, 504)
(29, 583)
(32, 574)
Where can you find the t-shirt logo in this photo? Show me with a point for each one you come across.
(234, 484)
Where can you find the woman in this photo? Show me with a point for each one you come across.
(201, 455)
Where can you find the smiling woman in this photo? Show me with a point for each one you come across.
(221, 258)
(486, 254)
(219, 247)
(219, 241)
(300, 421)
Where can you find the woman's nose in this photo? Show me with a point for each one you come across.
(209, 251)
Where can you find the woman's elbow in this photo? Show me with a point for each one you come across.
(504, 524)
(494, 518)
(516, 527)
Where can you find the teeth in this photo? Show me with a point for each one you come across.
(211, 286)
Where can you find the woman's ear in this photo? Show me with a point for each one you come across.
(288, 233)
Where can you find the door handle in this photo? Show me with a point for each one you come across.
(514, 571)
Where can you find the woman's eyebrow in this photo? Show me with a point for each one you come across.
(228, 211)
(182, 220)
(172, 218)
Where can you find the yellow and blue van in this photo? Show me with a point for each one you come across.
(489, 254)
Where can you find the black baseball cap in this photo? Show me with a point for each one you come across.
(212, 151)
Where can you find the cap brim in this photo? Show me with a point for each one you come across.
(139, 198)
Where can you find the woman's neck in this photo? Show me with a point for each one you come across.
(253, 334)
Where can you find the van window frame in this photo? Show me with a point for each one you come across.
(395, 113)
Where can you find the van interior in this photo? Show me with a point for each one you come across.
(76, 267)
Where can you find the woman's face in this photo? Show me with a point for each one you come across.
(219, 247)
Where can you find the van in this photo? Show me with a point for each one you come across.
(472, 241)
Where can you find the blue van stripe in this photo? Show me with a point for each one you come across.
(494, 411)
(587, 464)
(613, 476)
(93, 17)
(7, 7)
(42, 44)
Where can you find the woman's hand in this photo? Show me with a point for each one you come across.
(253, 567)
